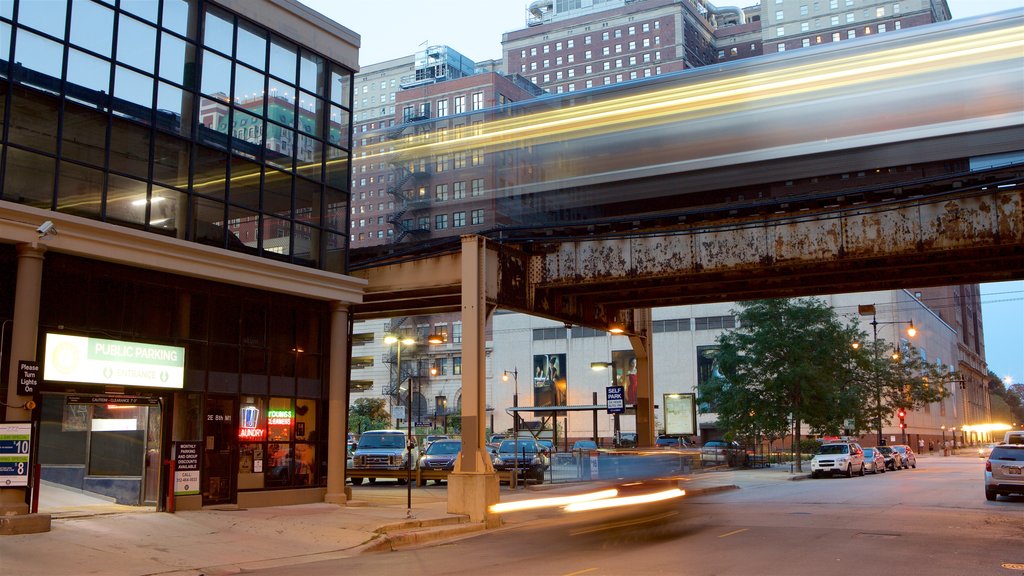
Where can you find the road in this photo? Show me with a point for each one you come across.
(933, 520)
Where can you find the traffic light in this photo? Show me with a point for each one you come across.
(902, 425)
(901, 413)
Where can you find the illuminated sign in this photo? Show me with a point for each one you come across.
(279, 417)
(113, 362)
(250, 429)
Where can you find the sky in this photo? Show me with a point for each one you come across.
(395, 28)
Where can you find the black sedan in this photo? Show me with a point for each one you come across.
(524, 455)
(440, 455)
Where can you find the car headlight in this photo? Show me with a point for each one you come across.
(498, 461)
(841, 460)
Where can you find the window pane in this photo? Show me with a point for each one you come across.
(126, 201)
(163, 210)
(176, 16)
(247, 132)
(307, 202)
(177, 60)
(280, 146)
(210, 172)
(146, 9)
(5, 46)
(213, 121)
(336, 247)
(92, 26)
(45, 15)
(81, 190)
(218, 33)
(337, 209)
(171, 160)
(339, 127)
(277, 193)
(85, 134)
(282, 59)
(311, 112)
(252, 45)
(136, 43)
(216, 75)
(277, 233)
(341, 81)
(245, 183)
(208, 221)
(248, 89)
(174, 109)
(29, 179)
(38, 54)
(310, 162)
(129, 148)
(281, 102)
(7, 9)
(133, 95)
(239, 220)
(33, 121)
(311, 72)
(88, 79)
(337, 167)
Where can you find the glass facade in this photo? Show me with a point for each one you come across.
(180, 118)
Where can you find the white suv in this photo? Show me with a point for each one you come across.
(838, 458)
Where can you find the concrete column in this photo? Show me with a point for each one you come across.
(14, 516)
(473, 486)
(641, 344)
(337, 406)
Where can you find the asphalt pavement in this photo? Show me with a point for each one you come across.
(92, 536)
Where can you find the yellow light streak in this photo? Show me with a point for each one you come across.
(625, 501)
(983, 428)
(553, 502)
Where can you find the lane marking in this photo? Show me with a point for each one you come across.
(1014, 566)
(733, 532)
(581, 572)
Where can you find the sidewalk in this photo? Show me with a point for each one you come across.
(96, 537)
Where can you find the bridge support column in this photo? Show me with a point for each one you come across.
(473, 486)
(641, 343)
(337, 406)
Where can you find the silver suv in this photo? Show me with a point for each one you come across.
(1004, 471)
(838, 458)
(386, 452)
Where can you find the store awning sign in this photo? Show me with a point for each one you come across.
(113, 362)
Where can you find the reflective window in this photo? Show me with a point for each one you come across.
(249, 89)
(133, 94)
(29, 179)
(245, 183)
(126, 201)
(177, 59)
(341, 81)
(41, 55)
(174, 109)
(176, 16)
(277, 192)
(216, 74)
(307, 202)
(282, 96)
(5, 47)
(310, 157)
(163, 210)
(283, 56)
(171, 161)
(279, 147)
(33, 121)
(92, 26)
(207, 222)
(88, 78)
(129, 148)
(252, 45)
(81, 190)
(7, 9)
(146, 9)
(210, 172)
(85, 134)
(247, 131)
(46, 16)
(136, 43)
(311, 112)
(218, 31)
(277, 235)
(311, 71)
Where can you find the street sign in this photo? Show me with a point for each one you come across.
(15, 447)
(849, 423)
(615, 399)
(28, 377)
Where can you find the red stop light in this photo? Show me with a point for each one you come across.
(901, 413)
(902, 426)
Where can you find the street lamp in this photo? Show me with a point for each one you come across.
(513, 483)
(869, 309)
(944, 451)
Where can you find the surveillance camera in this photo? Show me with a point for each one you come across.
(46, 228)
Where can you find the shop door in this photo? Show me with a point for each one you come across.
(220, 450)
(153, 472)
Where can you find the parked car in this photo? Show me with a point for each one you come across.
(721, 452)
(386, 451)
(893, 459)
(524, 456)
(670, 442)
(874, 460)
(495, 439)
(626, 440)
(909, 458)
(844, 458)
(431, 438)
(1013, 437)
(985, 450)
(440, 455)
(1004, 471)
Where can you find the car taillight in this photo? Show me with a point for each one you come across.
(988, 465)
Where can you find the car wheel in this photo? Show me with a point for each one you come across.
(357, 481)
(883, 469)
(849, 470)
(814, 474)
(914, 465)
(991, 495)
(402, 481)
(371, 480)
(862, 468)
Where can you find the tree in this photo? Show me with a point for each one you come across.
(368, 414)
(902, 378)
(788, 362)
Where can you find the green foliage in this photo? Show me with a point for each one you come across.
(368, 414)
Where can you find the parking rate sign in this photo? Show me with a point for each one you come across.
(15, 446)
(615, 399)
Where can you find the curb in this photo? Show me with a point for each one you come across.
(389, 542)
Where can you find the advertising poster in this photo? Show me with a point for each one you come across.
(549, 382)
(680, 415)
(624, 369)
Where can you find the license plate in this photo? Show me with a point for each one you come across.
(1013, 470)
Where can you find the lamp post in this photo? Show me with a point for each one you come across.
(869, 309)
(515, 421)
(944, 451)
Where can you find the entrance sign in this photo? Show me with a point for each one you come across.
(28, 377)
(113, 362)
(614, 399)
(680, 414)
(186, 468)
(15, 447)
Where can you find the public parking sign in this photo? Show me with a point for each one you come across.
(15, 446)
(615, 399)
